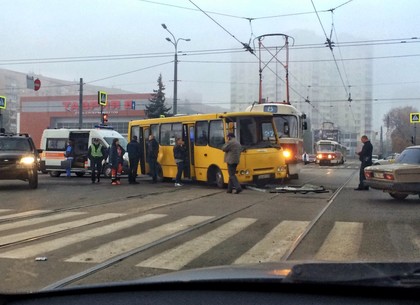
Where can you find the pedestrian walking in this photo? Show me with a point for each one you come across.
(151, 156)
(365, 157)
(134, 151)
(180, 156)
(232, 150)
(69, 154)
(96, 154)
(116, 159)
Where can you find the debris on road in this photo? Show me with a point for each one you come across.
(304, 189)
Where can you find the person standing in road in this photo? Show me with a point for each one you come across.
(116, 159)
(96, 154)
(232, 150)
(134, 150)
(305, 158)
(180, 156)
(151, 156)
(69, 154)
(365, 156)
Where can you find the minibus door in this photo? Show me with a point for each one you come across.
(188, 138)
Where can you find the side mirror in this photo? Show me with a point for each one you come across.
(305, 125)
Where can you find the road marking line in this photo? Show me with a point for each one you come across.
(56, 228)
(5, 210)
(342, 243)
(48, 246)
(28, 222)
(123, 245)
(178, 257)
(23, 214)
(275, 244)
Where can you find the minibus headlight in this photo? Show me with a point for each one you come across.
(287, 154)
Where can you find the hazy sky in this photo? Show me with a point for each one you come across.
(66, 29)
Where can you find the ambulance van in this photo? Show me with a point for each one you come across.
(54, 142)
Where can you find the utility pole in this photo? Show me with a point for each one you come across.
(81, 104)
(175, 41)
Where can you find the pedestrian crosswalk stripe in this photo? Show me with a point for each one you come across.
(38, 220)
(126, 244)
(275, 244)
(43, 247)
(342, 243)
(55, 228)
(178, 257)
(24, 214)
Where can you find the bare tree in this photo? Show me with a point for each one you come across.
(397, 120)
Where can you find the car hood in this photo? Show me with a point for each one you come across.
(393, 166)
(12, 154)
(351, 273)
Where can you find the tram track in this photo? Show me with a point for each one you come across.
(302, 236)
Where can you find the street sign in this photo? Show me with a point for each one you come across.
(2, 102)
(102, 98)
(415, 117)
(37, 84)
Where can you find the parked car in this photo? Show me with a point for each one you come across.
(19, 158)
(388, 160)
(400, 179)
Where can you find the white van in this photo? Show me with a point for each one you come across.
(54, 142)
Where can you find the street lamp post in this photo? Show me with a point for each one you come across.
(175, 41)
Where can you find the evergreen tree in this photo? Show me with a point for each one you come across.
(157, 107)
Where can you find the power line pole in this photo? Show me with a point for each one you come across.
(81, 104)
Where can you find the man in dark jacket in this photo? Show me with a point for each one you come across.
(180, 156)
(151, 156)
(232, 150)
(133, 149)
(96, 154)
(365, 156)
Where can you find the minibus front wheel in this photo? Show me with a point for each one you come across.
(215, 177)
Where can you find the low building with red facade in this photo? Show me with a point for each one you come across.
(40, 112)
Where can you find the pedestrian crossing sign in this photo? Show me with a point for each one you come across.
(415, 117)
(2, 102)
(102, 98)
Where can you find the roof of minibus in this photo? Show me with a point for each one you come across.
(204, 116)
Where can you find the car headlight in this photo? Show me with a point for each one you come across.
(244, 172)
(281, 169)
(27, 160)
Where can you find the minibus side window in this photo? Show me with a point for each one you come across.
(201, 131)
(216, 134)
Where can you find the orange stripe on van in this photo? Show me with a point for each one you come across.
(54, 155)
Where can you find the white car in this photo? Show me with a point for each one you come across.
(388, 160)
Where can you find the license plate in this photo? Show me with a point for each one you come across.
(378, 175)
(266, 176)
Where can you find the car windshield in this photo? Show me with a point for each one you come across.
(14, 144)
(255, 134)
(410, 156)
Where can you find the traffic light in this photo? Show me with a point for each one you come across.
(104, 118)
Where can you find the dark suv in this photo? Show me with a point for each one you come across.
(19, 158)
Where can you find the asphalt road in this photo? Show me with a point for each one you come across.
(96, 233)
